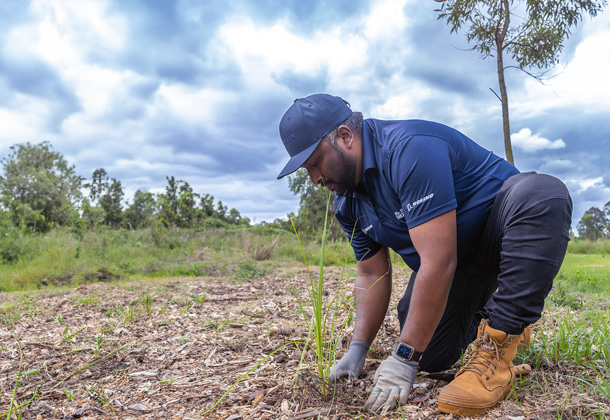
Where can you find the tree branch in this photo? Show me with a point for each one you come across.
(539, 77)
(494, 92)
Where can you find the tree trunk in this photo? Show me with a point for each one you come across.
(503, 94)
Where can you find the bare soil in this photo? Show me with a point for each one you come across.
(171, 348)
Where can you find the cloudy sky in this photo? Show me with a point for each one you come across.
(196, 89)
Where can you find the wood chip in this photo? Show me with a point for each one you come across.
(257, 399)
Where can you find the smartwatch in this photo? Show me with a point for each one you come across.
(407, 352)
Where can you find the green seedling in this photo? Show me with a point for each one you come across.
(69, 394)
(60, 320)
(199, 299)
(97, 344)
(324, 325)
(599, 382)
(88, 300)
(97, 395)
(147, 302)
(68, 337)
(129, 316)
(188, 304)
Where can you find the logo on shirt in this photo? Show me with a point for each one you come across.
(366, 229)
(412, 205)
(400, 214)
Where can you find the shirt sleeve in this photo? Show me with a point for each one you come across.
(421, 173)
(364, 247)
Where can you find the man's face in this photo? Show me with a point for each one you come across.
(333, 167)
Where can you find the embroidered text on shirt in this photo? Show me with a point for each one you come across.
(421, 200)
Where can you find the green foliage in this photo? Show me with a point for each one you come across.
(140, 214)
(533, 37)
(62, 258)
(107, 194)
(327, 317)
(39, 182)
(111, 204)
(10, 246)
(562, 296)
(248, 270)
(39, 191)
(178, 208)
(585, 273)
(92, 216)
(576, 337)
(595, 224)
(583, 246)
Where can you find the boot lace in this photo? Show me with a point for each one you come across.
(486, 353)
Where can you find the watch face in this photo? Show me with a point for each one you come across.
(405, 351)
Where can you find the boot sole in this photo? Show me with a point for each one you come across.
(464, 411)
(472, 411)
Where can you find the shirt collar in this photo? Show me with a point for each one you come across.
(369, 161)
(368, 148)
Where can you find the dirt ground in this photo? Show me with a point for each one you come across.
(171, 348)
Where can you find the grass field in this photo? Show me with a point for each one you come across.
(586, 273)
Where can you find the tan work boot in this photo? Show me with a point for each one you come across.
(487, 377)
(524, 339)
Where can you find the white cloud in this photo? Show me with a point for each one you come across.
(385, 20)
(530, 143)
(264, 51)
(580, 82)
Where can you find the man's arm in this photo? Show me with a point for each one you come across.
(372, 294)
(436, 244)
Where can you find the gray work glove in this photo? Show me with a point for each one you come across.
(351, 363)
(393, 381)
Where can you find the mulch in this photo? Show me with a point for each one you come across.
(172, 348)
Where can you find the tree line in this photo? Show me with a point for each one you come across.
(39, 191)
(595, 223)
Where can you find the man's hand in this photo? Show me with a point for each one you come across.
(351, 363)
(393, 381)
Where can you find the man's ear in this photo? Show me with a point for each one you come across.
(346, 135)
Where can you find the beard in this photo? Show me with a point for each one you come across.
(345, 183)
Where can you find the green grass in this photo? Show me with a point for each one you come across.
(580, 246)
(573, 338)
(586, 273)
(62, 258)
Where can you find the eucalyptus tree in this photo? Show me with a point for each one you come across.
(38, 178)
(141, 213)
(592, 225)
(531, 32)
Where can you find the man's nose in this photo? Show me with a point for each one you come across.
(315, 176)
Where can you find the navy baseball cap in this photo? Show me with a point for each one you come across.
(306, 122)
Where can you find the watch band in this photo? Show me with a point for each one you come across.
(407, 352)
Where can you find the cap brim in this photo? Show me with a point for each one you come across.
(298, 160)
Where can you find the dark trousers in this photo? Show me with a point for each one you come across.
(508, 278)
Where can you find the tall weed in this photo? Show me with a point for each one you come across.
(584, 246)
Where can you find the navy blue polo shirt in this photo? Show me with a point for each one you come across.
(415, 171)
